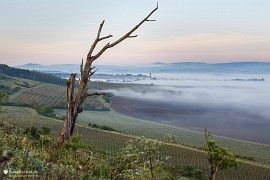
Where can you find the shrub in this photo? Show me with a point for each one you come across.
(45, 110)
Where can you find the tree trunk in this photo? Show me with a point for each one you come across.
(69, 121)
(74, 103)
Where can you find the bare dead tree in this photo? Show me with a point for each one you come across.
(74, 102)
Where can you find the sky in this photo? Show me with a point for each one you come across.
(61, 32)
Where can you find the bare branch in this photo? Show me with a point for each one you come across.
(101, 51)
(127, 35)
(81, 67)
(132, 36)
(89, 72)
(92, 68)
(96, 41)
(151, 20)
(106, 37)
(92, 73)
(134, 29)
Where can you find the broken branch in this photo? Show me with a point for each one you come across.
(106, 37)
(132, 36)
(96, 41)
(110, 45)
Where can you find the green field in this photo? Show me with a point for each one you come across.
(53, 95)
(15, 85)
(129, 125)
(187, 151)
(111, 142)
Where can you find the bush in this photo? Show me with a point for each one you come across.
(103, 127)
(170, 138)
(32, 132)
(45, 110)
(187, 171)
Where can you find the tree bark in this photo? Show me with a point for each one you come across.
(70, 116)
(74, 102)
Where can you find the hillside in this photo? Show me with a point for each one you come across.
(31, 75)
(188, 151)
(108, 144)
(97, 110)
(12, 85)
(55, 96)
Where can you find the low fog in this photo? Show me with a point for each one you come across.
(236, 109)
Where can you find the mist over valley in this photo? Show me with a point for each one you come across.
(229, 99)
(226, 107)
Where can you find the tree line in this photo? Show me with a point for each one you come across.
(32, 75)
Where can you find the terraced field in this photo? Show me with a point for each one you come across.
(111, 142)
(53, 95)
(13, 84)
(129, 125)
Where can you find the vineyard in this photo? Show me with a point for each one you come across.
(110, 142)
(55, 96)
(130, 125)
(15, 85)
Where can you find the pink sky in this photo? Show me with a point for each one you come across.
(54, 33)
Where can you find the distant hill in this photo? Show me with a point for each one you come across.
(32, 75)
(158, 67)
(199, 67)
(55, 68)
(32, 66)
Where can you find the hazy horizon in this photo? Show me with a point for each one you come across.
(139, 64)
(61, 32)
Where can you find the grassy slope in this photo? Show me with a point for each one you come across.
(111, 142)
(134, 126)
(13, 82)
(55, 95)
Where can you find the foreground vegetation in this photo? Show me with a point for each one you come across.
(246, 149)
(109, 144)
(33, 155)
(54, 96)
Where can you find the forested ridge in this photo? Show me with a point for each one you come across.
(32, 75)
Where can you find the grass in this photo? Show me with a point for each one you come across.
(258, 152)
(55, 96)
(13, 85)
(111, 142)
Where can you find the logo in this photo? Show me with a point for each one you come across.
(5, 171)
